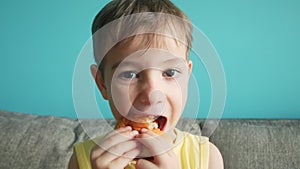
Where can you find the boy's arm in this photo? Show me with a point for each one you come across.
(215, 158)
(73, 164)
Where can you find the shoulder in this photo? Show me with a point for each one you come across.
(81, 153)
(209, 152)
(86, 145)
(73, 164)
(215, 157)
(196, 139)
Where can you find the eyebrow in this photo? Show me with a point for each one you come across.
(114, 66)
(125, 63)
(176, 59)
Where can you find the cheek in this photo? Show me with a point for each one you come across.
(177, 103)
(184, 93)
(177, 99)
(122, 97)
(178, 93)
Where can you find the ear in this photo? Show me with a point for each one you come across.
(190, 66)
(99, 80)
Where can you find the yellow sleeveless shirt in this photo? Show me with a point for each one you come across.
(192, 150)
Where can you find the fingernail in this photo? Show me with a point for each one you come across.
(143, 130)
(134, 132)
(128, 127)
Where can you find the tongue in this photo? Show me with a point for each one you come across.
(161, 121)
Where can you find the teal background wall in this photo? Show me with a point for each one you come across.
(257, 41)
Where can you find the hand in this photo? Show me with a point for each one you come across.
(116, 149)
(161, 149)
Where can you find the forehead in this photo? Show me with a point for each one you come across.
(141, 42)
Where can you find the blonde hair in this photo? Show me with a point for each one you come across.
(175, 22)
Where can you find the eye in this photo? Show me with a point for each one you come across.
(128, 75)
(170, 73)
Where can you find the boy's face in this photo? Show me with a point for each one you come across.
(142, 82)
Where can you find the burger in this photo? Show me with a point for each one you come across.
(150, 123)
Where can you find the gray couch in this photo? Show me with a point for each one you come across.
(30, 141)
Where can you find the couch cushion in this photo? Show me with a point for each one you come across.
(29, 141)
(248, 144)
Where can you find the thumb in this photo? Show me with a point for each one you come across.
(145, 164)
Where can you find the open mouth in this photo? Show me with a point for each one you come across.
(161, 122)
(154, 123)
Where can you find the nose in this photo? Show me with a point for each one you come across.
(151, 88)
(150, 99)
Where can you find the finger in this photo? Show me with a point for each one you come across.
(120, 150)
(111, 141)
(118, 131)
(157, 144)
(165, 135)
(123, 154)
(145, 164)
(118, 136)
(127, 157)
(161, 149)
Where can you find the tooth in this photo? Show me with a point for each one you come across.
(150, 119)
(153, 125)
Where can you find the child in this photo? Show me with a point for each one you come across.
(145, 79)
